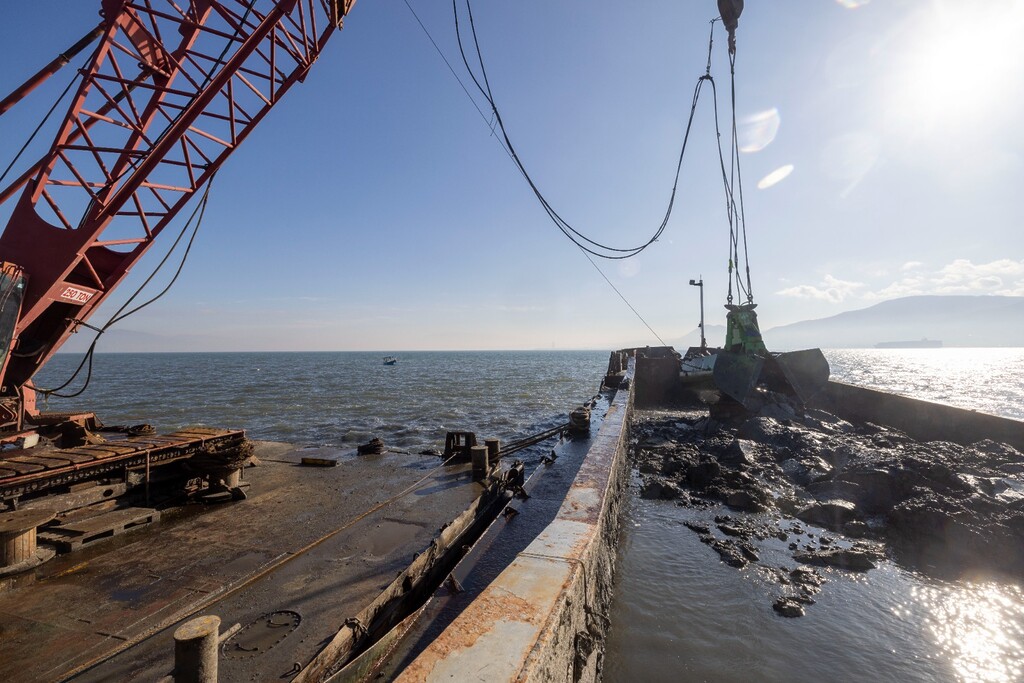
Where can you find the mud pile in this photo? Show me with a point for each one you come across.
(939, 507)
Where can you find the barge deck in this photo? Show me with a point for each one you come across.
(301, 548)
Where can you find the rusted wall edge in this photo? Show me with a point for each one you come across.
(920, 419)
(544, 618)
(380, 615)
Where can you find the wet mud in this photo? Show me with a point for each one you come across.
(838, 497)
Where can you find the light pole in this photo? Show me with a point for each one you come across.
(700, 283)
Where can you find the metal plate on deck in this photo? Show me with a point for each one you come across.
(259, 636)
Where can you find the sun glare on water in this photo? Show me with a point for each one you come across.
(979, 629)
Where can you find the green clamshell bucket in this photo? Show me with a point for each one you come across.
(745, 364)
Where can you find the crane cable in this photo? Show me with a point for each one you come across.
(733, 185)
(489, 122)
(574, 235)
(622, 296)
(53, 107)
(121, 314)
(490, 125)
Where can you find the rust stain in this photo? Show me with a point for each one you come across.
(479, 618)
(70, 570)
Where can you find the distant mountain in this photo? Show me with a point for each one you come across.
(954, 320)
(715, 335)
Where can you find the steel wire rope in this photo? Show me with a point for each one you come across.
(739, 174)
(621, 296)
(731, 210)
(732, 181)
(490, 125)
(729, 202)
(53, 107)
(488, 122)
(117, 317)
(567, 229)
(87, 359)
(121, 314)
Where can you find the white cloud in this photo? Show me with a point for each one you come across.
(830, 289)
(961, 276)
(1004, 277)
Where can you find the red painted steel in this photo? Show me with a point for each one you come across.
(172, 88)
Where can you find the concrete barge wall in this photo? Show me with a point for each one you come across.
(921, 420)
(545, 617)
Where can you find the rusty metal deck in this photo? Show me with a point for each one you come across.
(41, 468)
(107, 611)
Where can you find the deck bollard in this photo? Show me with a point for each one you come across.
(493, 446)
(481, 465)
(579, 421)
(195, 650)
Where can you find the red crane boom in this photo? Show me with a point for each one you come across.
(172, 88)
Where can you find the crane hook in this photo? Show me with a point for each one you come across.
(730, 11)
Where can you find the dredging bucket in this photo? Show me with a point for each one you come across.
(799, 373)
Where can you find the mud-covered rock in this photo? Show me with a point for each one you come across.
(730, 552)
(831, 514)
(702, 474)
(664, 490)
(698, 527)
(746, 500)
(804, 469)
(806, 577)
(856, 529)
(788, 607)
(739, 452)
(934, 503)
(842, 558)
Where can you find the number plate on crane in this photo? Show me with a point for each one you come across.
(76, 295)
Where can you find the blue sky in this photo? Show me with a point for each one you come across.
(373, 210)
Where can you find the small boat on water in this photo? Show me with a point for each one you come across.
(390, 360)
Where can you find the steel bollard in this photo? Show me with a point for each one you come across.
(481, 465)
(493, 446)
(195, 650)
(579, 421)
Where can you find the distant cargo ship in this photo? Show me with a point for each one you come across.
(920, 344)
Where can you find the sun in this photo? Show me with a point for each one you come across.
(956, 63)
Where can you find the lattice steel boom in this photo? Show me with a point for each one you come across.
(172, 88)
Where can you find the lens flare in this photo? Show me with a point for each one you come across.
(757, 131)
(775, 177)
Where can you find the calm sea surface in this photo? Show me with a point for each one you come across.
(335, 399)
(679, 615)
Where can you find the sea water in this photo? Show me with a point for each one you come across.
(678, 614)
